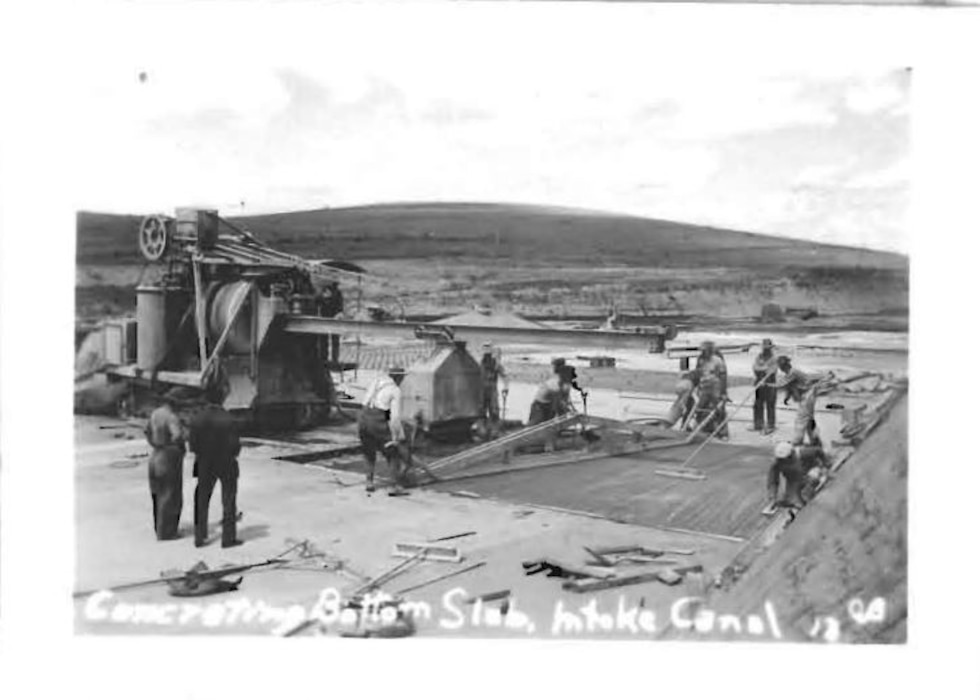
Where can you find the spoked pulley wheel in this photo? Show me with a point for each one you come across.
(154, 236)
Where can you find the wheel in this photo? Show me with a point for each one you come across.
(154, 236)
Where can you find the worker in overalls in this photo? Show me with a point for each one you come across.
(712, 382)
(380, 428)
(803, 389)
(491, 372)
(215, 443)
(165, 433)
(802, 468)
(553, 397)
(764, 409)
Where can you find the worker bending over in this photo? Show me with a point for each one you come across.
(491, 372)
(684, 403)
(802, 468)
(712, 382)
(215, 443)
(380, 428)
(803, 389)
(553, 397)
(165, 433)
(764, 408)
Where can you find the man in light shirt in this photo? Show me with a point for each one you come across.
(804, 389)
(380, 428)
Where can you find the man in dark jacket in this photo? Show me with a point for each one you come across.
(214, 441)
(165, 434)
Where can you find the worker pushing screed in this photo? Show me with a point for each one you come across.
(712, 383)
(380, 428)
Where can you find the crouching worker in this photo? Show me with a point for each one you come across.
(165, 434)
(554, 396)
(802, 468)
(380, 428)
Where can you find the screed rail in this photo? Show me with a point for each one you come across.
(314, 325)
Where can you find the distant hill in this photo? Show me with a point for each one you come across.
(529, 234)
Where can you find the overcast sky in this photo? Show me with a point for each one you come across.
(616, 111)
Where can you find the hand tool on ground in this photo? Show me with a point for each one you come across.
(453, 537)
(193, 576)
(471, 567)
(391, 573)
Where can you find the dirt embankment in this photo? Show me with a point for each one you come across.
(845, 551)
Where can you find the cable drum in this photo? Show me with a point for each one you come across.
(223, 300)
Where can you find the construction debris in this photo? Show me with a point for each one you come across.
(465, 569)
(670, 577)
(428, 552)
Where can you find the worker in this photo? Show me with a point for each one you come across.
(802, 468)
(559, 365)
(764, 408)
(803, 389)
(380, 428)
(712, 381)
(165, 433)
(492, 370)
(552, 398)
(331, 306)
(215, 443)
(684, 403)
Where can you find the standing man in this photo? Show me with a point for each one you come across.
(553, 397)
(492, 371)
(215, 443)
(165, 433)
(712, 384)
(764, 369)
(803, 389)
(380, 428)
(802, 468)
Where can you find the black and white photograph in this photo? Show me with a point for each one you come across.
(607, 349)
(529, 323)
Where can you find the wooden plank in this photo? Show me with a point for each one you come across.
(614, 582)
(429, 552)
(199, 312)
(588, 572)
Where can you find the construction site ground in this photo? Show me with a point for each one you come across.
(550, 513)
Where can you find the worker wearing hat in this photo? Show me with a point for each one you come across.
(214, 440)
(165, 433)
(764, 368)
(380, 428)
(804, 389)
(712, 382)
(492, 372)
(801, 468)
(552, 398)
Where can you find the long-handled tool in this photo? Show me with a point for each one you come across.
(723, 423)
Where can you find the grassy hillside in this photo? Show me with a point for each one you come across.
(498, 231)
(438, 259)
